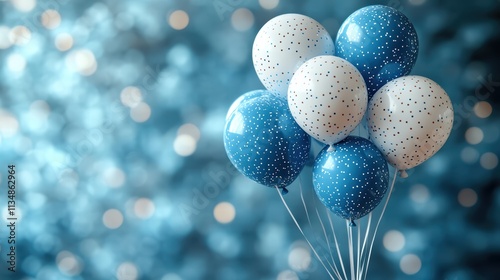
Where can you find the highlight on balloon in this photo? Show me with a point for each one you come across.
(354, 106)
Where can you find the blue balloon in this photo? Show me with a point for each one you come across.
(264, 142)
(244, 98)
(351, 179)
(381, 42)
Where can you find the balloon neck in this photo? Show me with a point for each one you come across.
(403, 174)
(352, 223)
(284, 191)
(330, 149)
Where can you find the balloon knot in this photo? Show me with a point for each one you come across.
(330, 149)
(403, 174)
(284, 191)
(352, 223)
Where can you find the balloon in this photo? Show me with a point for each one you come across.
(327, 97)
(264, 142)
(409, 120)
(381, 42)
(244, 98)
(351, 180)
(283, 44)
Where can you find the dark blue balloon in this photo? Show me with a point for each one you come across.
(264, 142)
(381, 42)
(352, 179)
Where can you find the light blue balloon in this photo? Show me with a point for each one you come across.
(381, 42)
(264, 142)
(352, 179)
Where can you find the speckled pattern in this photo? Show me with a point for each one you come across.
(381, 42)
(243, 99)
(351, 180)
(327, 97)
(264, 142)
(409, 120)
(283, 44)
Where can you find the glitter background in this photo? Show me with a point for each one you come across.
(113, 113)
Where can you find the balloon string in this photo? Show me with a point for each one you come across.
(304, 203)
(336, 243)
(334, 268)
(351, 251)
(330, 265)
(310, 225)
(378, 222)
(368, 227)
(358, 249)
(302, 232)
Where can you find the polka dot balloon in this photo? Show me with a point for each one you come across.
(264, 142)
(283, 44)
(351, 180)
(244, 98)
(409, 120)
(327, 97)
(381, 42)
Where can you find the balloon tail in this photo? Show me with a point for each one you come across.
(403, 174)
(331, 149)
(284, 191)
(378, 223)
(352, 223)
(302, 232)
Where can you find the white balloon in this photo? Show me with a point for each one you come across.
(283, 44)
(409, 120)
(328, 98)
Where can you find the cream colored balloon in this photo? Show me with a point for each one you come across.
(328, 98)
(409, 120)
(283, 44)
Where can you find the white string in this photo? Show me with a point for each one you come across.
(304, 203)
(363, 255)
(336, 244)
(330, 265)
(302, 232)
(358, 229)
(367, 232)
(351, 251)
(326, 238)
(378, 223)
(334, 268)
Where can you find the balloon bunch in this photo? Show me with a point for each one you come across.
(322, 89)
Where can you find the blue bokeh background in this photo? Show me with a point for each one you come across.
(113, 111)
